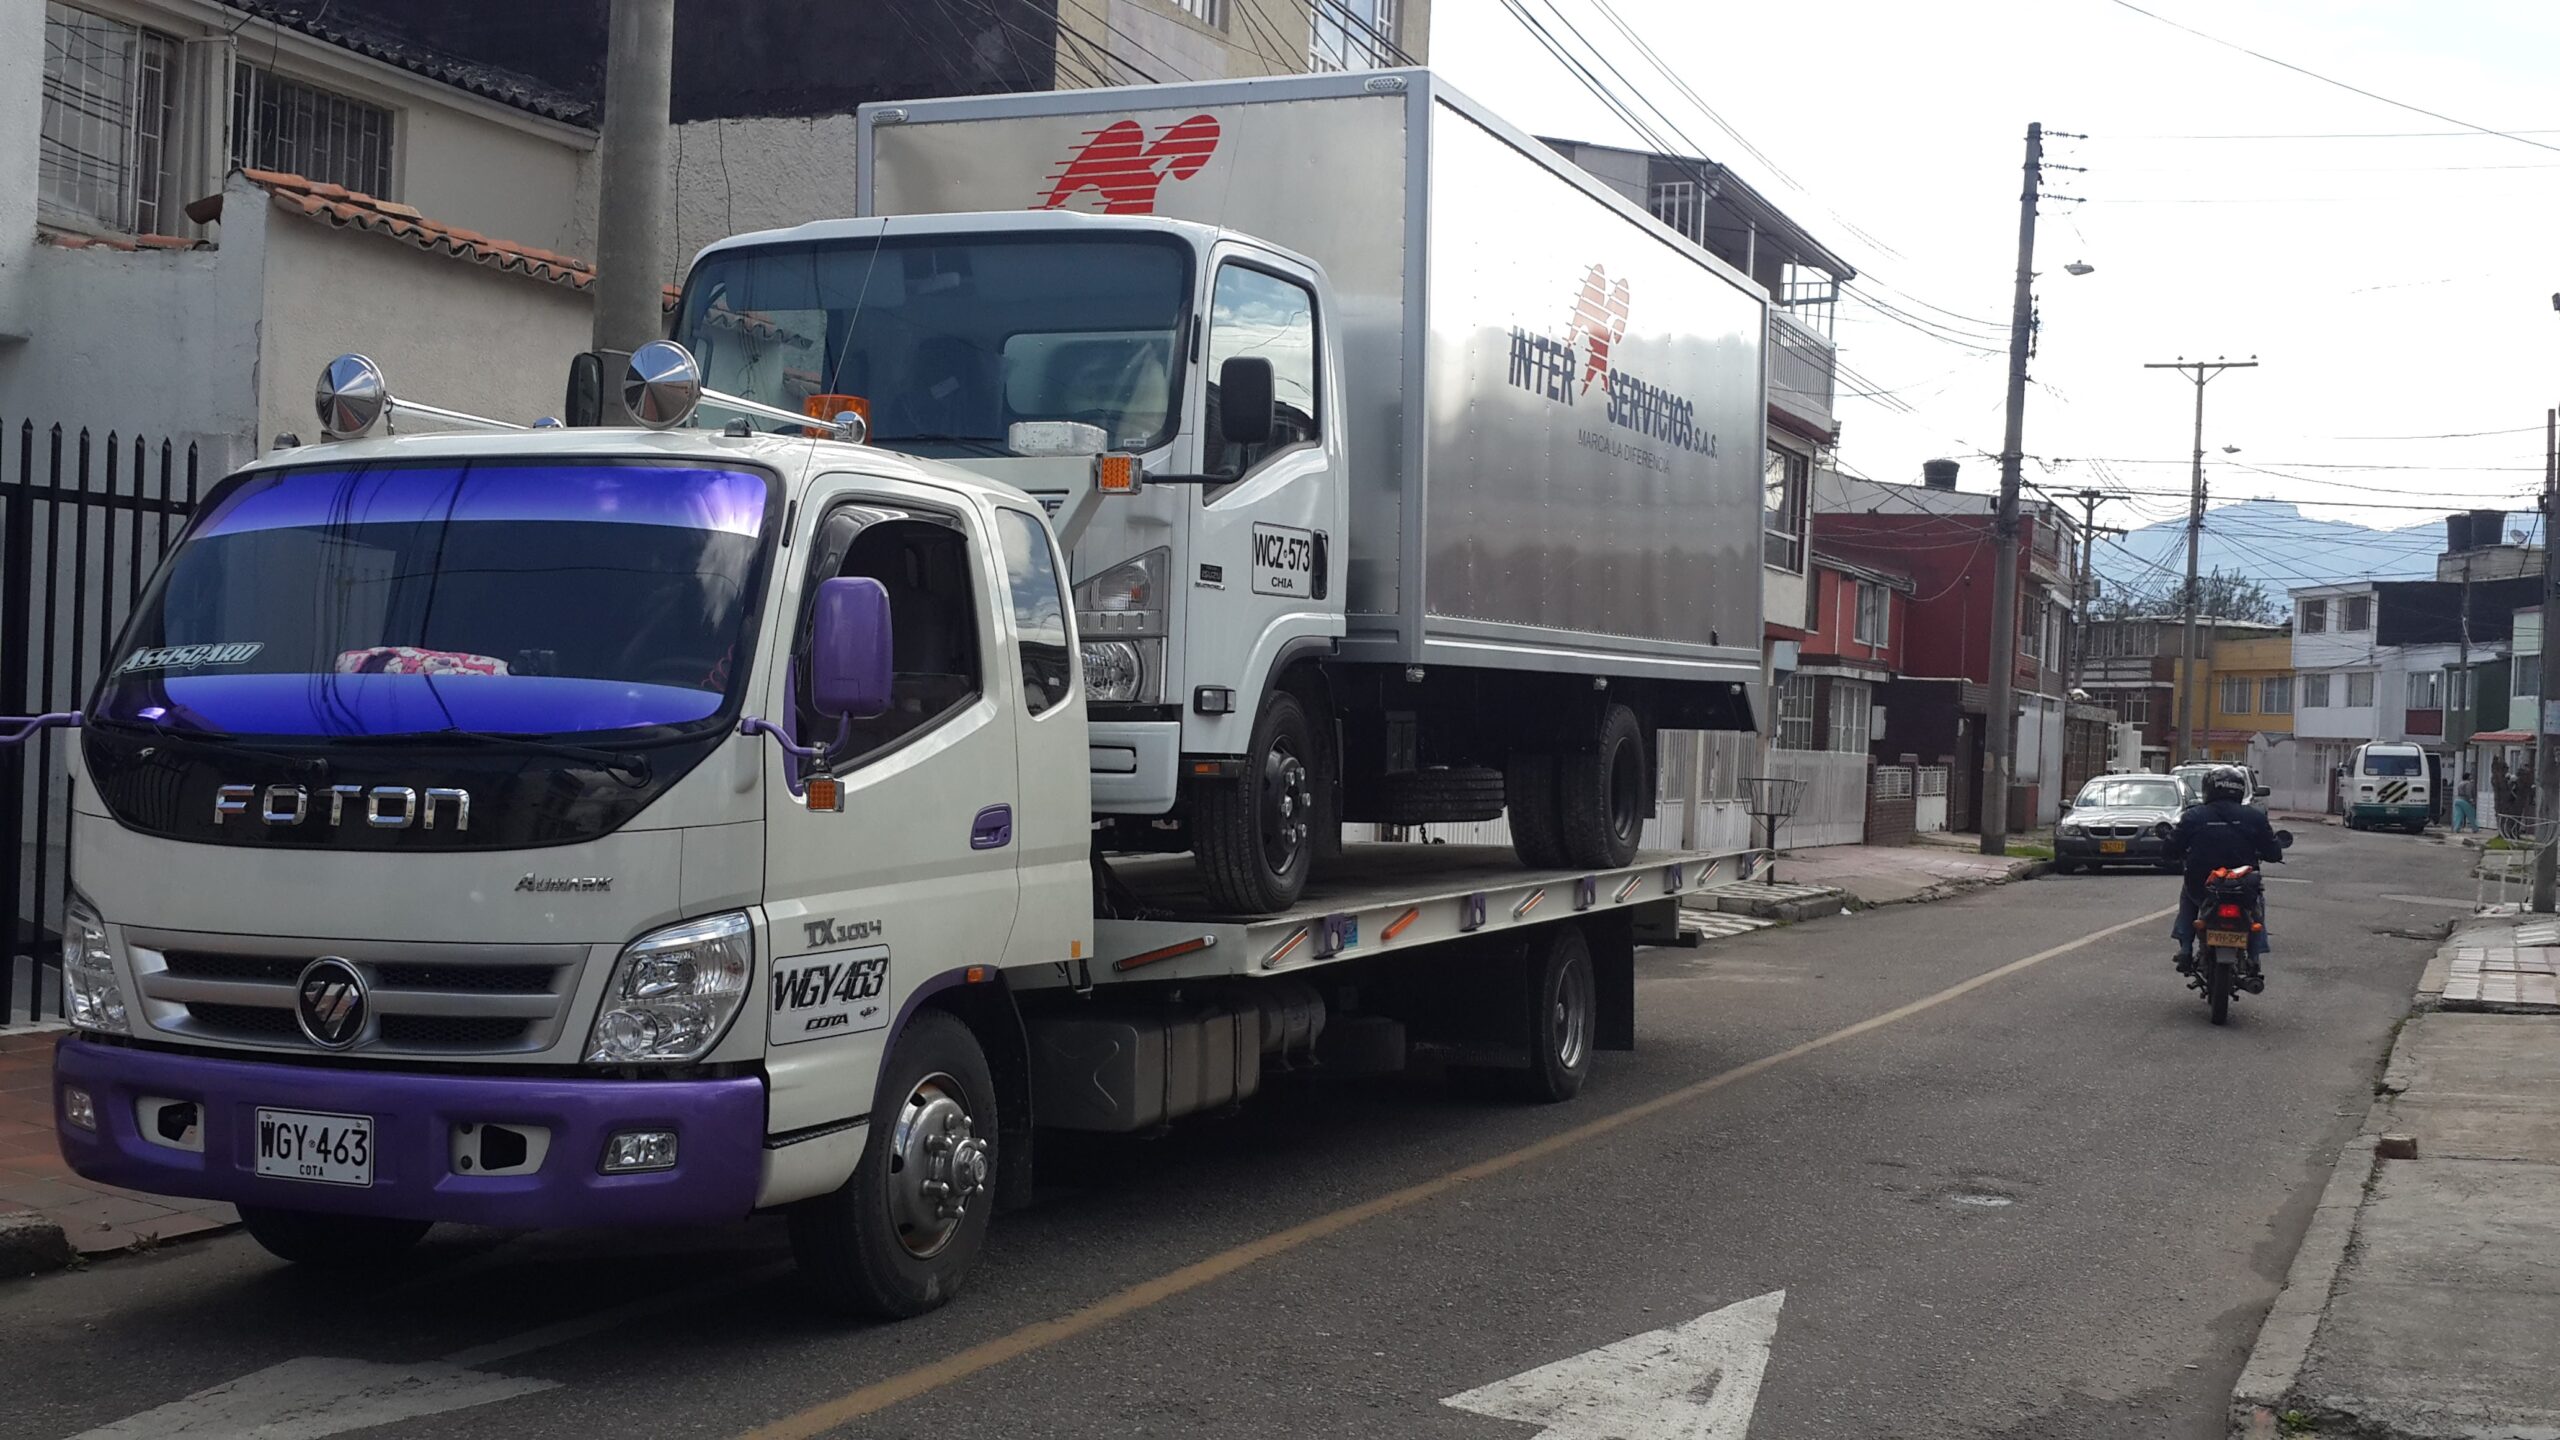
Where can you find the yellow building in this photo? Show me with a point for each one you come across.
(2251, 690)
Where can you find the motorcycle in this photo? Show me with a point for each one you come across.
(2233, 913)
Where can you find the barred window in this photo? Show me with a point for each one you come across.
(1795, 714)
(110, 103)
(282, 124)
(1851, 701)
(1212, 13)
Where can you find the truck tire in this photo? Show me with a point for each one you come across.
(329, 1242)
(1529, 804)
(1600, 793)
(1441, 796)
(1253, 839)
(899, 1238)
(1562, 1004)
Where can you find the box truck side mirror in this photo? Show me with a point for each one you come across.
(1247, 409)
(849, 669)
(583, 405)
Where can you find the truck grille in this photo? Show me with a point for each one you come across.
(422, 1000)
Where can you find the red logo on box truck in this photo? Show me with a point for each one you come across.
(1124, 167)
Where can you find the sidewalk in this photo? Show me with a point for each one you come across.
(48, 1214)
(1899, 874)
(2425, 1301)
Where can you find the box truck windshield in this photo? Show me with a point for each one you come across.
(950, 339)
(398, 599)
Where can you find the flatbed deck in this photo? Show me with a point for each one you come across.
(1378, 897)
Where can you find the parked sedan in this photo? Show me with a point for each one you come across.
(2118, 820)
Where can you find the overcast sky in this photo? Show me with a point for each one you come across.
(2388, 286)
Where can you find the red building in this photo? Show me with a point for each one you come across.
(1860, 618)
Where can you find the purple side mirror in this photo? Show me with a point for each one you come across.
(849, 667)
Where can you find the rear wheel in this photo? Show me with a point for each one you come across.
(1601, 793)
(899, 1238)
(2217, 986)
(1254, 837)
(1563, 1010)
(1529, 804)
(330, 1242)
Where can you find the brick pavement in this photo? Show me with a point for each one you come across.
(95, 1218)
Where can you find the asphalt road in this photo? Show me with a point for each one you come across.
(2055, 1202)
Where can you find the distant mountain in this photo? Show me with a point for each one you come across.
(2273, 543)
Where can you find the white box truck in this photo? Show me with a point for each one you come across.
(1503, 525)
(597, 826)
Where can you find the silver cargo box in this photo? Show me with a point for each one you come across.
(1556, 403)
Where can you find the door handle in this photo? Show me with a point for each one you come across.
(993, 829)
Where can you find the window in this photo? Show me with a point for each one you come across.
(2359, 689)
(1875, 614)
(2358, 613)
(1851, 701)
(2129, 705)
(2457, 689)
(2031, 628)
(1212, 13)
(110, 103)
(2426, 690)
(1259, 314)
(1351, 34)
(2275, 695)
(1784, 483)
(923, 560)
(1795, 714)
(2529, 675)
(2315, 616)
(2235, 694)
(2315, 692)
(1039, 610)
(282, 124)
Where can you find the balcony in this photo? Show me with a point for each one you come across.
(1801, 372)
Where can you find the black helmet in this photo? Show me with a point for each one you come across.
(2226, 782)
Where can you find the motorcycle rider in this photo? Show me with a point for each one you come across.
(2224, 832)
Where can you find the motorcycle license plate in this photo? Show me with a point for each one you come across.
(2227, 939)
(323, 1148)
(2111, 847)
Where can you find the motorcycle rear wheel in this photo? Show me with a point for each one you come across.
(2217, 986)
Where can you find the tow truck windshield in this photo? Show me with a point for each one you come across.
(421, 600)
(947, 339)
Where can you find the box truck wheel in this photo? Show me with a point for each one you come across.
(1562, 1010)
(899, 1237)
(329, 1242)
(1529, 805)
(1252, 838)
(1601, 793)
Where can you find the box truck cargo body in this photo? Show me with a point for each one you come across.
(1451, 457)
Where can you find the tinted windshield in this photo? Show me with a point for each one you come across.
(2390, 764)
(389, 600)
(949, 340)
(2105, 794)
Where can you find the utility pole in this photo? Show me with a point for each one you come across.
(2000, 732)
(631, 204)
(2090, 530)
(2546, 765)
(2189, 702)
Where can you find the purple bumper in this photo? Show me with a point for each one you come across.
(719, 1126)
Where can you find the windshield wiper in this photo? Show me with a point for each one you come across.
(634, 766)
(991, 445)
(212, 740)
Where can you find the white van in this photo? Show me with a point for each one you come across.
(2386, 785)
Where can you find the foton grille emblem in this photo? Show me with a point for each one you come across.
(328, 1002)
(382, 807)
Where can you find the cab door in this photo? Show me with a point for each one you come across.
(915, 876)
(1053, 819)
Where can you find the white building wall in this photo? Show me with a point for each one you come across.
(21, 119)
(732, 176)
(460, 166)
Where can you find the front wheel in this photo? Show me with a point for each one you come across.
(1254, 837)
(2217, 987)
(330, 1242)
(2066, 867)
(899, 1238)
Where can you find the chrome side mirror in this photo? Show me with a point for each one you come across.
(352, 397)
(662, 386)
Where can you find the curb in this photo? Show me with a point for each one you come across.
(2284, 1339)
(30, 1244)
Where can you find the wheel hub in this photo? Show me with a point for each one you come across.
(1288, 803)
(937, 1165)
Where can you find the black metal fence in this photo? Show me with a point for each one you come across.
(84, 519)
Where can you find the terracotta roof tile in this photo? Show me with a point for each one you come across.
(345, 209)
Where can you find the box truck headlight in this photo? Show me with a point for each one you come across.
(674, 991)
(1120, 614)
(92, 997)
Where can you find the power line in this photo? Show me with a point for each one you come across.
(2516, 136)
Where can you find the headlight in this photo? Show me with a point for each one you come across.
(2162, 829)
(673, 992)
(92, 997)
(1125, 670)
(2071, 828)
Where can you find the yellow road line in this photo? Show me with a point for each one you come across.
(879, 1395)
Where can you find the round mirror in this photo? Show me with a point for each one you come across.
(351, 398)
(662, 386)
(2284, 839)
